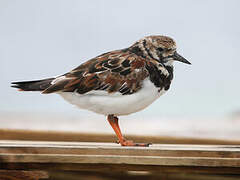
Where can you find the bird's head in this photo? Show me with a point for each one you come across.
(160, 48)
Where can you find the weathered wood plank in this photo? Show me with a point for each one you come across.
(88, 156)
(120, 159)
(29, 135)
(136, 175)
(24, 147)
(120, 168)
(20, 175)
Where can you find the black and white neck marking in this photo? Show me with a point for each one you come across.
(161, 76)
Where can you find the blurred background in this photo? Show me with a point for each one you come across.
(40, 39)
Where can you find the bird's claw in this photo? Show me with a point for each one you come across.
(131, 143)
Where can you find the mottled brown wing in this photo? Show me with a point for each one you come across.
(116, 71)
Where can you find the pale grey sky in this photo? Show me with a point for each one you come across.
(44, 38)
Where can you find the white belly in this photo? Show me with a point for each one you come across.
(115, 103)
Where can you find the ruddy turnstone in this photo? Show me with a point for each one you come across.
(116, 83)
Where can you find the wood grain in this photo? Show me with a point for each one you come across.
(29, 135)
(93, 156)
(20, 175)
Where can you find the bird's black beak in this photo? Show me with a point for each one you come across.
(178, 57)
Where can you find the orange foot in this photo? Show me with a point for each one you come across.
(131, 143)
(113, 120)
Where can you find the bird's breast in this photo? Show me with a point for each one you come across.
(115, 103)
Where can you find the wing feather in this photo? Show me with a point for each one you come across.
(117, 71)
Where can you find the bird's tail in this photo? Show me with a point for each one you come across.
(38, 85)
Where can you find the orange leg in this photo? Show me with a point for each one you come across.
(113, 120)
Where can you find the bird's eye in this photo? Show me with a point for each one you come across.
(160, 49)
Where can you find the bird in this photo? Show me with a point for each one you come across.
(116, 83)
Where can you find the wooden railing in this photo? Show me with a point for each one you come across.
(34, 159)
(28, 135)
(28, 155)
